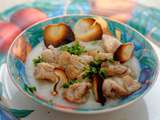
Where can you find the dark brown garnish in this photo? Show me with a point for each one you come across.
(97, 83)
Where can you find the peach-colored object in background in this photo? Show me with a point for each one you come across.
(121, 17)
(118, 9)
(21, 49)
(28, 16)
(8, 32)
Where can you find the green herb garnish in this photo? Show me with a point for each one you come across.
(96, 63)
(71, 82)
(92, 69)
(30, 88)
(75, 49)
(37, 60)
(103, 73)
(66, 85)
(111, 60)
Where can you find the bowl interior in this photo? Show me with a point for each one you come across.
(25, 42)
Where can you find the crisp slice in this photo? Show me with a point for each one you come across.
(62, 79)
(87, 29)
(60, 73)
(58, 34)
(124, 52)
(97, 83)
(104, 25)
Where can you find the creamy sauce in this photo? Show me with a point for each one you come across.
(44, 88)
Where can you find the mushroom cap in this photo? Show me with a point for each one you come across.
(88, 29)
(58, 34)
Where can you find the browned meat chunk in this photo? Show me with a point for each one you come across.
(45, 71)
(48, 56)
(72, 72)
(100, 55)
(75, 68)
(77, 93)
(130, 84)
(113, 89)
(86, 59)
(114, 68)
(63, 58)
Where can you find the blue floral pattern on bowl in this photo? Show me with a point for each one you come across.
(32, 36)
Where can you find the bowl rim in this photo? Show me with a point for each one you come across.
(74, 111)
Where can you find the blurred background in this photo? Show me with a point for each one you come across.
(10, 3)
(17, 15)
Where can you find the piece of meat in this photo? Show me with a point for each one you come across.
(76, 61)
(110, 44)
(120, 86)
(130, 84)
(100, 55)
(77, 93)
(49, 56)
(52, 55)
(112, 89)
(64, 58)
(128, 72)
(45, 71)
(86, 59)
(113, 69)
(74, 68)
(73, 72)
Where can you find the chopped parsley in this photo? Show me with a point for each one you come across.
(75, 49)
(71, 82)
(96, 63)
(111, 60)
(66, 85)
(103, 73)
(37, 60)
(94, 68)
